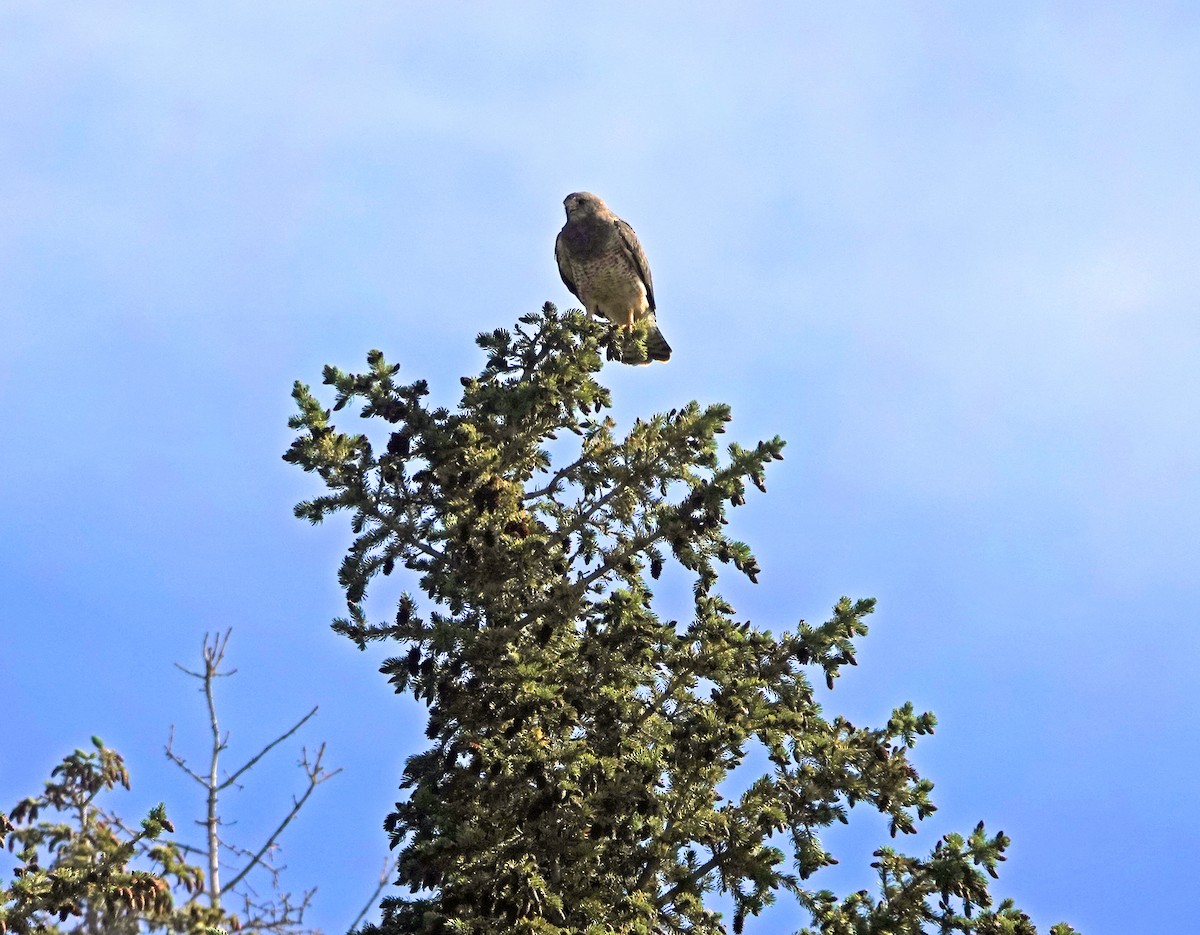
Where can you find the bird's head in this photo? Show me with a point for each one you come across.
(581, 204)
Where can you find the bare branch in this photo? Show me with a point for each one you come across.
(213, 654)
(276, 916)
(178, 760)
(261, 753)
(316, 776)
(389, 864)
(277, 912)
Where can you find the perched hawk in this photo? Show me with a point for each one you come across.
(602, 263)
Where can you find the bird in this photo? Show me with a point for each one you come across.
(602, 262)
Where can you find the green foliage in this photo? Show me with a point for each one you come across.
(577, 741)
(76, 868)
(74, 872)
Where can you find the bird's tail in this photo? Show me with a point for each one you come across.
(621, 344)
(657, 347)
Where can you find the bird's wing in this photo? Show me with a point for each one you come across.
(636, 255)
(564, 264)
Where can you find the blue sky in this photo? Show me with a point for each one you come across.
(947, 251)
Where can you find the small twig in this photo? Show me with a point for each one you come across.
(276, 917)
(315, 778)
(178, 760)
(188, 848)
(278, 913)
(261, 753)
(389, 865)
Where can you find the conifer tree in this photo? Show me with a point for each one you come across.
(75, 873)
(79, 869)
(577, 740)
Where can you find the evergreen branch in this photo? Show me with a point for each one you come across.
(665, 695)
(584, 517)
(405, 536)
(618, 556)
(555, 480)
(691, 880)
